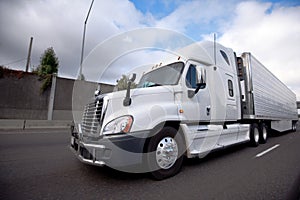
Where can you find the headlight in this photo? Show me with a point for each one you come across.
(118, 125)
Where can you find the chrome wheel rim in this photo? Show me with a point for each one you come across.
(265, 133)
(294, 127)
(256, 135)
(166, 153)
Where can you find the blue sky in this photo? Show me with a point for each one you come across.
(159, 9)
(162, 8)
(270, 29)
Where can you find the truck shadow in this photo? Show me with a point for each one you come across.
(228, 151)
(274, 133)
(113, 174)
(214, 155)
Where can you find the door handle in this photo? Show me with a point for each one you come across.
(207, 110)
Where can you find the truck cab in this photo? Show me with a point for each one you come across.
(188, 106)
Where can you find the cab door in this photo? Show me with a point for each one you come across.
(196, 110)
(195, 106)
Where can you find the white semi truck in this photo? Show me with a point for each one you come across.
(205, 98)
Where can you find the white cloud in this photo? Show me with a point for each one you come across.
(134, 48)
(270, 31)
(50, 23)
(60, 24)
(272, 34)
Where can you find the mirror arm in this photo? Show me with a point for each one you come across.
(197, 88)
(127, 100)
(192, 93)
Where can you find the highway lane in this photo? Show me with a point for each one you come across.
(40, 165)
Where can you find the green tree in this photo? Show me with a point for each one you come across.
(48, 66)
(122, 83)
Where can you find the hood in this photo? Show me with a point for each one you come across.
(141, 91)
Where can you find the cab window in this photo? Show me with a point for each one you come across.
(224, 55)
(230, 88)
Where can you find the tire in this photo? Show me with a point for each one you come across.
(294, 126)
(263, 133)
(165, 153)
(254, 135)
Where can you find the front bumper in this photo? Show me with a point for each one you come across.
(116, 151)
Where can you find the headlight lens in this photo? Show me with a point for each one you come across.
(118, 125)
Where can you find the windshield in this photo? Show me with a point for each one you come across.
(166, 75)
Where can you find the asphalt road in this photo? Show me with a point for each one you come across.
(39, 165)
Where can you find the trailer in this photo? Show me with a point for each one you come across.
(204, 98)
(266, 97)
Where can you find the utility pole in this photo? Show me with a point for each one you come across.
(83, 38)
(29, 54)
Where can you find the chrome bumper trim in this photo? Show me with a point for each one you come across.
(89, 161)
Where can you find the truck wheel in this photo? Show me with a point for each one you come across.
(294, 127)
(263, 134)
(254, 135)
(165, 153)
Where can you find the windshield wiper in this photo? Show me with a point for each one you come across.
(150, 84)
(154, 85)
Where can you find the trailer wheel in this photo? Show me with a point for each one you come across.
(263, 134)
(165, 153)
(294, 126)
(254, 135)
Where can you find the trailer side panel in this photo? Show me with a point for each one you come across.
(272, 100)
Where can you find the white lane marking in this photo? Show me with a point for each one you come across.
(267, 151)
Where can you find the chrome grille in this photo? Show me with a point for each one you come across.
(91, 121)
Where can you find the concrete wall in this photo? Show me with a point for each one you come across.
(62, 107)
(21, 97)
(74, 94)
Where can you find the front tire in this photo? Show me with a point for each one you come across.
(165, 153)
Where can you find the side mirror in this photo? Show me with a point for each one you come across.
(127, 99)
(132, 77)
(201, 80)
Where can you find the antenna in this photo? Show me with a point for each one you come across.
(215, 49)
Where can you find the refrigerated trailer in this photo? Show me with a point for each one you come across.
(267, 98)
(202, 99)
